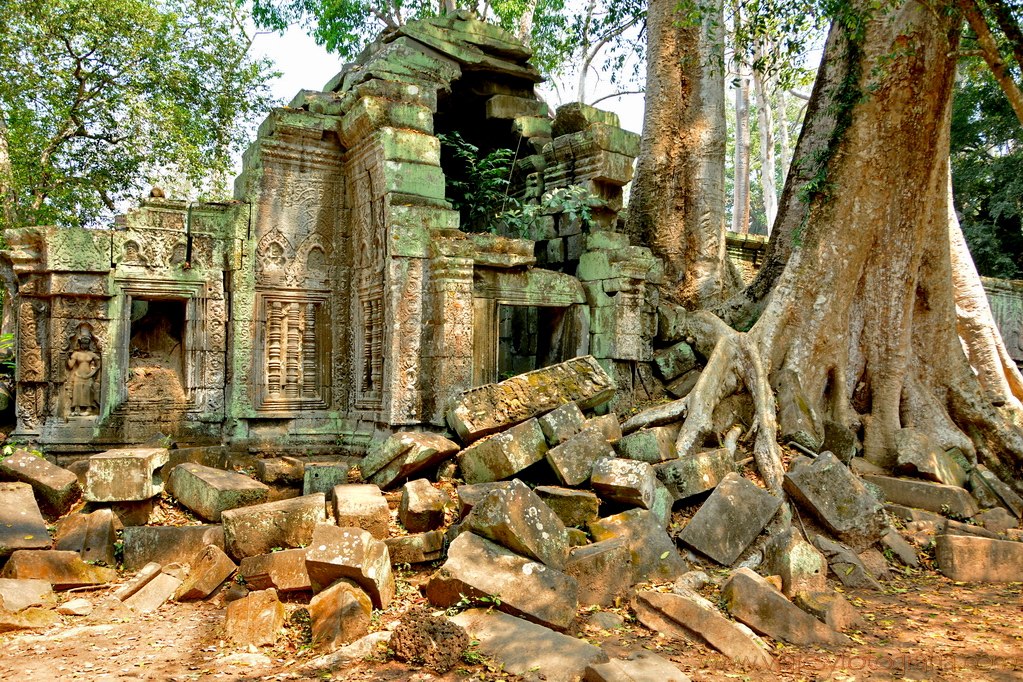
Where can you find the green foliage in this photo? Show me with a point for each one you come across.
(7, 363)
(480, 190)
(100, 97)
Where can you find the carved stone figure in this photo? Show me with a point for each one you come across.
(83, 363)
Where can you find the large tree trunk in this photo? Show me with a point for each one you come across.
(864, 310)
(741, 152)
(677, 206)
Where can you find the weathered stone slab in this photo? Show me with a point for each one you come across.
(654, 555)
(351, 553)
(362, 506)
(608, 426)
(624, 480)
(18, 594)
(675, 360)
(796, 419)
(494, 407)
(75, 607)
(477, 567)
(997, 520)
(690, 616)
(573, 507)
(562, 423)
(654, 445)
(1010, 498)
(936, 522)
(730, 519)
(21, 524)
(57, 488)
(91, 535)
(934, 497)
(839, 441)
(167, 544)
(429, 640)
(603, 571)
(258, 529)
(321, 477)
(838, 499)
(800, 565)
(29, 619)
(573, 460)
(209, 569)
(640, 666)
(283, 571)
(518, 519)
(416, 549)
(470, 495)
(979, 560)
(900, 548)
(427, 450)
(340, 614)
(524, 648)
(917, 454)
(255, 620)
(830, 608)
(125, 474)
(138, 581)
(422, 506)
(63, 570)
(503, 455)
(683, 386)
(846, 565)
(154, 594)
(751, 599)
(696, 473)
(210, 492)
(283, 471)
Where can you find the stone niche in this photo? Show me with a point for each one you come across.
(336, 297)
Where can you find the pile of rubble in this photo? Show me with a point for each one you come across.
(558, 510)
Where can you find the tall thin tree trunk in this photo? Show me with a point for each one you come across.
(741, 186)
(8, 196)
(782, 121)
(765, 120)
(524, 31)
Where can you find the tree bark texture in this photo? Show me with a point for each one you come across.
(765, 121)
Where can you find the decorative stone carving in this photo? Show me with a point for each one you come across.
(82, 384)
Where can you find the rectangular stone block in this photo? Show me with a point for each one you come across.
(935, 497)
(125, 474)
(573, 507)
(362, 506)
(503, 455)
(167, 544)
(210, 492)
(573, 460)
(979, 560)
(57, 488)
(91, 535)
(696, 473)
(602, 569)
(654, 445)
(624, 480)
(63, 570)
(321, 477)
(417, 548)
(675, 361)
(261, 528)
(21, 524)
(284, 571)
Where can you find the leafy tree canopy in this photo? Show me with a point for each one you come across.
(98, 97)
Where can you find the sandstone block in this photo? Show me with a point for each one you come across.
(624, 480)
(603, 571)
(255, 620)
(900, 548)
(831, 608)
(470, 495)
(654, 555)
(491, 408)
(362, 506)
(138, 581)
(154, 594)
(321, 477)
(562, 423)
(796, 419)
(839, 441)
(674, 361)
(416, 549)
(91, 535)
(31, 618)
(18, 594)
(573, 507)
(934, 497)
(730, 519)
(210, 492)
(838, 499)
(283, 471)
(403, 455)
(57, 488)
(573, 460)
(258, 529)
(284, 571)
(340, 614)
(917, 454)
(979, 560)
(63, 570)
(846, 565)
(428, 640)
(640, 665)
(518, 519)
(167, 544)
(477, 567)
(654, 445)
(351, 553)
(421, 507)
(125, 474)
(608, 426)
(1010, 498)
(756, 603)
(21, 525)
(695, 473)
(800, 565)
(503, 455)
(75, 607)
(209, 569)
(997, 520)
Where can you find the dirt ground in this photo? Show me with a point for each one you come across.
(923, 627)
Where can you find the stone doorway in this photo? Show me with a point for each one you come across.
(156, 350)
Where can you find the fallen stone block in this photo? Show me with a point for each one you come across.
(654, 555)
(936, 522)
(351, 553)
(362, 506)
(875, 563)
(215, 456)
(674, 361)
(416, 549)
(997, 520)
(696, 473)
(432, 641)
(167, 544)
(340, 614)
(624, 480)
(422, 506)
(979, 560)
(573, 507)
(603, 571)
(901, 549)
(839, 441)
(57, 488)
(125, 474)
(22, 527)
(752, 600)
(403, 455)
(640, 665)
(654, 445)
(1009, 497)
(800, 565)
(830, 608)
(523, 648)
(284, 571)
(154, 594)
(209, 569)
(503, 455)
(209, 492)
(491, 408)
(730, 519)
(562, 423)
(63, 570)
(573, 460)
(935, 497)
(663, 504)
(846, 565)
(838, 499)
(917, 454)
(75, 607)
(470, 495)
(478, 568)
(138, 581)
(518, 519)
(683, 386)
(280, 471)
(690, 616)
(31, 618)
(19, 594)
(255, 620)
(91, 535)
(258, 529)
(322, 477)
(796, 419)
(607, 425)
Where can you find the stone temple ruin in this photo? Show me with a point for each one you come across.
(335, 296)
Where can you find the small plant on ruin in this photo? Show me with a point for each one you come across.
(482, 191)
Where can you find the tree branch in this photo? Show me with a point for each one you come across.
(1010, 27)
(616, 94)
(993, 58)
